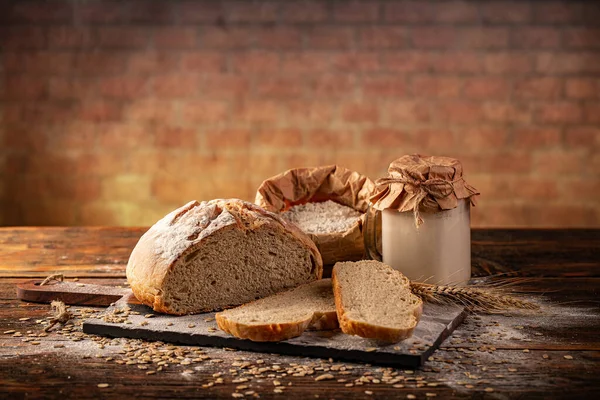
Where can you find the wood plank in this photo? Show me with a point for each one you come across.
(75, 251)
(569, 318)
(536, 252)
(508, 373)
(8, 286)
(76, 293)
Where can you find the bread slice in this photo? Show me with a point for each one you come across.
(374, 301)
(218, 254)
(284, 315)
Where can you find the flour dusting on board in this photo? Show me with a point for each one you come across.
(325, 217)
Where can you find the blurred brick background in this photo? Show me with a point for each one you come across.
(115, 112)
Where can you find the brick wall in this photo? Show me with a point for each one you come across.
(115, 112)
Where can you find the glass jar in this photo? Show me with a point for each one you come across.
(438, 251)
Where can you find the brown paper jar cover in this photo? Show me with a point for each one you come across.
(422, 183)
(318, 184)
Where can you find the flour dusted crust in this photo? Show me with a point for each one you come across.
(263, 333)
(162, 246)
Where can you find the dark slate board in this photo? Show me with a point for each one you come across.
(437, 323)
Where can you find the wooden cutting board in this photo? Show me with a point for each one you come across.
(437, 323)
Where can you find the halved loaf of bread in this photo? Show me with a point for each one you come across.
(374, 301)
(219, 254)
(284, 315)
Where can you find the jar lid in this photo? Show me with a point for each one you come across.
(422, 183)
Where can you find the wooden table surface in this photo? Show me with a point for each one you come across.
(551, 353)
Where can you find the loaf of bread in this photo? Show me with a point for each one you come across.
(284, 315)
(374, 301)
(219, 254)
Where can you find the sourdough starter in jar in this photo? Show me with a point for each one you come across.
(437, 252)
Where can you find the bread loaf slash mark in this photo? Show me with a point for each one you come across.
(184, 210)
(194, 236)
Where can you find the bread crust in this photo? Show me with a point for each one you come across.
(277, 332)
(273, 332)
(367, 330)
(262, 333)
(184, 230)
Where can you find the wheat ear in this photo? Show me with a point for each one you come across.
(478, 299)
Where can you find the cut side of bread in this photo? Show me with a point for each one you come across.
(374, 301)
(219, 254)
(284, 315)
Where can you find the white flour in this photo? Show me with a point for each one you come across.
(326, 217)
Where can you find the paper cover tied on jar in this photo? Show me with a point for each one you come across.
(330, 201)
(425, 219)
